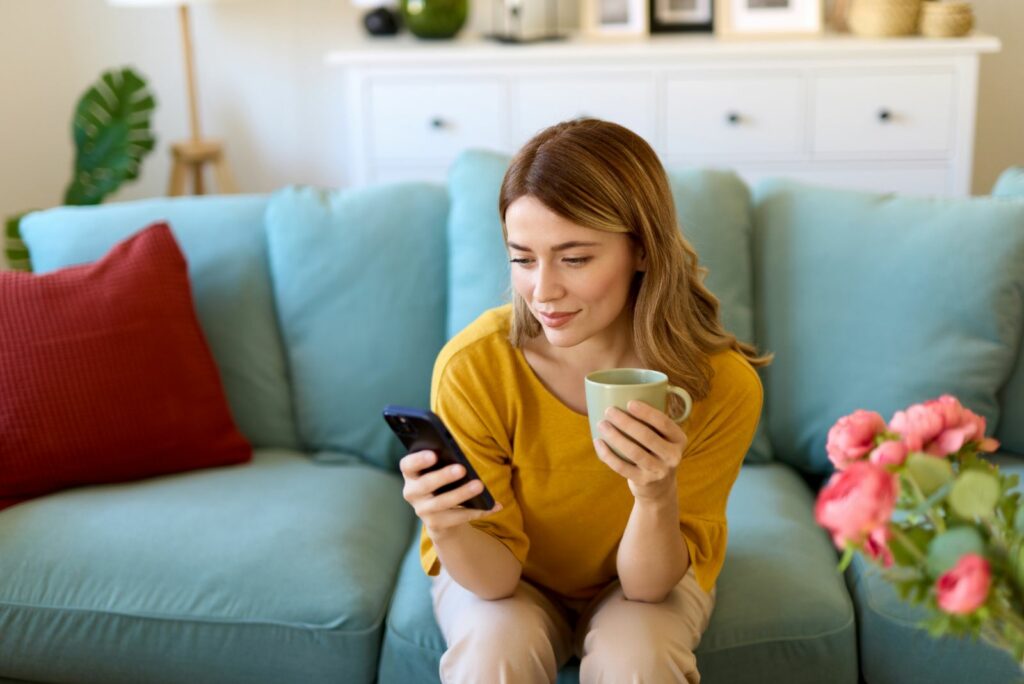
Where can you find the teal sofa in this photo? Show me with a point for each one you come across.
(322, 306)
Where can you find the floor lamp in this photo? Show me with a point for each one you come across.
(190, 157)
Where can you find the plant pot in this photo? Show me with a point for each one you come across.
(434, 18)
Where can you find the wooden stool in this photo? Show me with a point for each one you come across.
(193, 156)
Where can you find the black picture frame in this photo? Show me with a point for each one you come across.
(662, 25)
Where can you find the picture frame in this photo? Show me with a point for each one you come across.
(768, 18)
(614, 18)
(668, 16)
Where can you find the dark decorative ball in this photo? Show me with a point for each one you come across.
(381, 22)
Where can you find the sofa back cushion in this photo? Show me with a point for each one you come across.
(1010, 186)
(359, 278)
(224, 243)
(713, 208)
(879, 301)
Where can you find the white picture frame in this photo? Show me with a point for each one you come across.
(768, 18)
(614, 18)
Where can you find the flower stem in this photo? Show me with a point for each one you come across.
(907, 543)
(937, 522)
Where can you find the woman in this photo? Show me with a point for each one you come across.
(584, 553)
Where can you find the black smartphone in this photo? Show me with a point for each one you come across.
(421, 430)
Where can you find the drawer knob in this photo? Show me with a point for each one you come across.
(437, 122)
(733, 118)
(884, 115)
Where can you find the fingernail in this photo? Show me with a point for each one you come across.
(455, 469)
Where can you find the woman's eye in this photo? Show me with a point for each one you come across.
(572, 261)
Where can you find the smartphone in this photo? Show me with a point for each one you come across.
(421, 430)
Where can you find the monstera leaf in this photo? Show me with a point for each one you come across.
(112, 134)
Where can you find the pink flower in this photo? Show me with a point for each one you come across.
(856, 502)
(964, 587)
(853, 436)
(889, 453)
(919, 424)
(960, 425)
(876, 546)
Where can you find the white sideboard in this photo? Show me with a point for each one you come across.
(881, 114)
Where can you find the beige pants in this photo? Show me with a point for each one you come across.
(527, 637)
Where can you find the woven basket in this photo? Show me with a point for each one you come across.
(946, 19)
(878, 18)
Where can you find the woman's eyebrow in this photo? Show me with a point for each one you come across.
(558, 248)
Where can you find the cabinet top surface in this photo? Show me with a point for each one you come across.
(469, 48)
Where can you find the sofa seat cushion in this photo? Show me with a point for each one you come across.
(225, 245)
(279, 570)
(894, 649)
(783, 612)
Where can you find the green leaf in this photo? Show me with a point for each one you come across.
(928, 472)
(947, 548)
(111, 130)
(974, 494)
(1018, 520)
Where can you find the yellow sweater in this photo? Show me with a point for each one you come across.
(564, 511)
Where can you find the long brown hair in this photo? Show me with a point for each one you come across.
(600, 175)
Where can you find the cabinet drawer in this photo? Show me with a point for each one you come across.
(627, 100)
(431, 119)
(753, 117)
(882, 114)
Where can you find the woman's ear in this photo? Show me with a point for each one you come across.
(641, 260)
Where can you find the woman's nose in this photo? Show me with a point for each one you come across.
(546, 286)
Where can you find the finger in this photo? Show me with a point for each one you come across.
(413, 463)
(638, 429)
(627, 447)
(431, 482)
(453, 498)
(659, 421)
(612, 460)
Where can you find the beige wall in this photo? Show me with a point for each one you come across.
(265, 90)
(1000, 128)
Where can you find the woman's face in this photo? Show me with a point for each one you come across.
(559, 267)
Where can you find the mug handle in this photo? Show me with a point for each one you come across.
(687, 402)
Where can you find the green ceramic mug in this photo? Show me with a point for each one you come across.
(618, 386)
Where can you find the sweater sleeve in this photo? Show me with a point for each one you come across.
(461, 397)
(711, 464)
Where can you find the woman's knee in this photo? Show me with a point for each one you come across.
(503, 641)
(637, 656)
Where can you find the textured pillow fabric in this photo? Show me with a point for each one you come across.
(713, 208)
(359, 279)
(1010, 186)
(106, 376)
(224, 240)
(880, 301)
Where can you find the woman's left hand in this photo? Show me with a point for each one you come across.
(658, 447)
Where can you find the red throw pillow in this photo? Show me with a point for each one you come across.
(105, 375)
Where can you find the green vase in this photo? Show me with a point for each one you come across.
(434, 18)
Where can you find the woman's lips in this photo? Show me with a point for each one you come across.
(557, 321)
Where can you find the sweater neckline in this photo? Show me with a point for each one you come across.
(544, 388)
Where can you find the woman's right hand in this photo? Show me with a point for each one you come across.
(443, 512)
